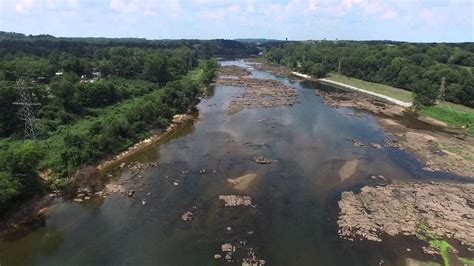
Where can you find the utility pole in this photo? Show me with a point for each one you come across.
(25, 94)
(442, 89)
(339, 67)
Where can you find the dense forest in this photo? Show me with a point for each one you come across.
(96, 96)
(420, 68)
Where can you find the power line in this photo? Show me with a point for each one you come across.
(25, 94)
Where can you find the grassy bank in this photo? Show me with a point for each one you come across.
(451, 114)
(389, 91)
(454, 115)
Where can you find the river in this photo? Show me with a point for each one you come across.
(292, 222)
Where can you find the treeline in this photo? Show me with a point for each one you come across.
(42, 45)
(415, 67)
(91, 106)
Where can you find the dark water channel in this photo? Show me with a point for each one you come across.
(294, 218)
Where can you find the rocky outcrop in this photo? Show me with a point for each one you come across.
(262, 160)
(259, 93)
(235, 200)
(242, 183)
(447, 209)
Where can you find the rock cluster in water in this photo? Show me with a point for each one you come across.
(235, 200)
(447, 209)
(262, 160)
(258, 92)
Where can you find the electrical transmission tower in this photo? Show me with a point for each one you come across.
(25, 94)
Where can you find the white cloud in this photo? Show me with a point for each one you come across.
(24, 6)
(312, 5)
(428, 17)
(388, 14)
(124, 6)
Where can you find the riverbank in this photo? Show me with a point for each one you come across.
(438, 146)
(453, 115)
(86, 184)
(81, 156)
(442, 148)
(387, 98)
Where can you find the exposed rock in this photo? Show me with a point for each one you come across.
(356, 143)
(259, 93)
(178, 119)
(114, 188)
(234, 200)
(393, 143)
(217, 256)
(187, 216)
(375, 145)
(233, 72)
(401, 208)
(78, 200)
(262, 160)
(227, 247)
(242, 183)
(348, 169)
(379, 177)
(251, 259)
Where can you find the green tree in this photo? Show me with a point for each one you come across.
(9, 188)
(425, 93)
(155, 68)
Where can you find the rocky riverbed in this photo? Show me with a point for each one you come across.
(447, 209)
(258, 93)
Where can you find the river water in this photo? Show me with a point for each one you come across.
(292, 222)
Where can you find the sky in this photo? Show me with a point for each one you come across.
(402, 20)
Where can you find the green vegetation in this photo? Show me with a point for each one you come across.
(440, 245)
(96, 99)
(390, 91)
(419, 68)
(452, 115)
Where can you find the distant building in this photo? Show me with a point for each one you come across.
(59, 73)
(96, 75)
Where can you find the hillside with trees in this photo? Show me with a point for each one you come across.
(420, 68)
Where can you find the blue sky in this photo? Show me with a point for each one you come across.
(405, 20)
